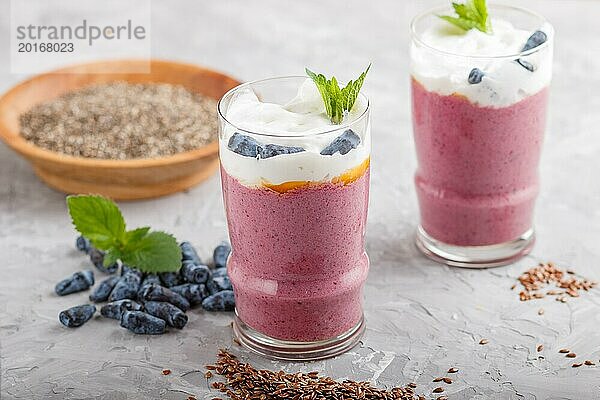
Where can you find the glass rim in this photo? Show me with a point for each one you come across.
(327, 130)
(435, 10)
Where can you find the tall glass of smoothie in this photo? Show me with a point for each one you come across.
(479, 109)
(296, 190)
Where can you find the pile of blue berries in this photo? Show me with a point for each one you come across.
(149, 303)
(247, 146)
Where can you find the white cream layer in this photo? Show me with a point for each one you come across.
(301, 116)
(505, 82)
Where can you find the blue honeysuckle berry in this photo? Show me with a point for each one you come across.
(155, 292)
(83, 244)
(220, 254)
(193, 273)
(342, 144)
(272, 150)
(76, 316)
(172, 315)
(126, 269)
(536, 39)
(188, 253)
(97, 258)
(148, 280)
(526, 64)
(170, 279)
(142, 323)
(193, 292)
(244, 145)
(223, 283)
(77, 282)
(219, 272)
(212, 287)
(116, 309)
(475, 76)
(126, 288)
(221, 301)
(102, 291)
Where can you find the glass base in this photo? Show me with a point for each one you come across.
(475, 256)
(296, 351)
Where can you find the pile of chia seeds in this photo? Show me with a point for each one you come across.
(121, 121)
(149, 303)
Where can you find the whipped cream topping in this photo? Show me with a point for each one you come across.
(300, 122)
(505, 82)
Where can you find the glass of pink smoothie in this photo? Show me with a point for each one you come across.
(296, 191)
(479, 109)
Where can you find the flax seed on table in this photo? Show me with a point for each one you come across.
(242, 381)
(536, 279)
(121, 121)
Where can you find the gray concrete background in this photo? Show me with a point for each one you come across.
(422, 317)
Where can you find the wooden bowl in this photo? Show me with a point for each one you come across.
(117, 179)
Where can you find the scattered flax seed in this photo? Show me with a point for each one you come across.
(208, 374)
(535, 279)
(121, 120)
(243, 381)
(484, 341)
(513, 287)
(541, 311)
(447, 381)
(453, 370)
(438, 390)
(540, 347)
(571, 355)
(589, 362)
(442, 398)
(436, 380)
(564, 351)
(191, 398)
(577, 365)
(166, 371)
(236, 341)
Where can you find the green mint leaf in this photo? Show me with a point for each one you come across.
(152, 253)
(471, 14)
(461, 23)
(350, 92)
(136, 234)
(111, 257)
(98, 219)
(337, 101)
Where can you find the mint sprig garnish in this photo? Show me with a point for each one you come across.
(337, 101)
(471, 14)
(100, 220)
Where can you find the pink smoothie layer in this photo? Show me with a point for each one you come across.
(298, 263)
(477, 178)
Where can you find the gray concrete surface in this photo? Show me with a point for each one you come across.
(422, 317)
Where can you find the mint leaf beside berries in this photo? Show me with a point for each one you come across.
(338, 101)
(471, 14)
(100, 220)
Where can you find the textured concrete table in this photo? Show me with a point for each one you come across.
(422, 317)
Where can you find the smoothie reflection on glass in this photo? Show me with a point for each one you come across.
(295, 189)
(479, 110)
